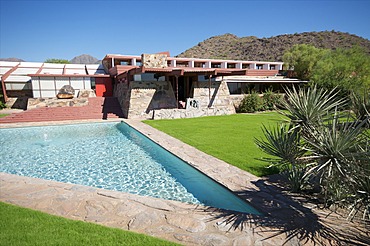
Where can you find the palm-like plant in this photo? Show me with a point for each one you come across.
(316, 144)
(337, 147)
(311, 106)
(361, 104)
(283, 142)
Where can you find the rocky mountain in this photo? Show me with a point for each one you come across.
(84, 59)
(12, 59)
(229, 46)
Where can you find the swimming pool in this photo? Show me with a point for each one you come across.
(112, 156)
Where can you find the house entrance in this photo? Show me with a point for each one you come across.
(184, 90)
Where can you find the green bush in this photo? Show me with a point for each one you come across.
(271, 100)
(251, 103)
(2, 103)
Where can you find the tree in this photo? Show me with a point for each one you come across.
(303, 58)
(346, 69)
(53, 60)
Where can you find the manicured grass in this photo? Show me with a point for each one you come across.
(3, 115)
(229, 138)
(21, 226)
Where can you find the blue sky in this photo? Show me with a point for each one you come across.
(38, 30)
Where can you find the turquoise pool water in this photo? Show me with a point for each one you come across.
(112, 156)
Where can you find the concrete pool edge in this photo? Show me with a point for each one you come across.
(174, 221)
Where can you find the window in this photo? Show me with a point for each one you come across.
(148, 77)
(204, 78)
(199, 64)
(216, 65)
(272, 67)
(259, 66)
(239, 88)
(93, 85)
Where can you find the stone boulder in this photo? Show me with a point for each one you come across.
(86, 93)
(66, 92)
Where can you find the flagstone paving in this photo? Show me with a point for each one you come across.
(287, 219)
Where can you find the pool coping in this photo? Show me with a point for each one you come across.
(175, 221)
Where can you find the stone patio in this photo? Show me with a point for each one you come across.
(287, 219)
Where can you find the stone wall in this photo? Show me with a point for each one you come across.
(138, 99)
(217, 97)
(122, 92)
(188, 113)
(156, 100)
(17, 102)
(81, 100)
(55, 102)
(236, 99)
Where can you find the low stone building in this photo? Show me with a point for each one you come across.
(150, 86)
(185, 87)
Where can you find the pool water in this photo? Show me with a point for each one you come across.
(111, 156)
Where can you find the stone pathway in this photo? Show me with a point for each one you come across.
(286, 220)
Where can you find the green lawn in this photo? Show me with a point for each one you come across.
(21, 226)
(229, 138)
(3, 115)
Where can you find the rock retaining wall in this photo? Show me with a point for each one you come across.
(55, 102)
(189, 113)
(138, 99)
(156, 100)
(215, 96)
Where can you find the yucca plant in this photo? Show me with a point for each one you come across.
(360, 198)
(315, 143)
(360, 104)
(337, 147)
(283, 142)
(311, 106)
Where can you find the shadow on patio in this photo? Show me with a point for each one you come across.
(285, 215)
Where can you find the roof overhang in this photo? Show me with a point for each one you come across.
(270, 80)
(176, 71)
(69, 75)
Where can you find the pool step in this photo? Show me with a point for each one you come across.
(97, 108)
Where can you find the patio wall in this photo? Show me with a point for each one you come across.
(138, 99)
(156, 100)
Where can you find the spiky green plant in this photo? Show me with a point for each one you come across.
(309, 107)
(315, 143)
(283, 143)
(360, 104)
(337, 147)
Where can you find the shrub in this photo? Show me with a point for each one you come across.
(360, 104)
(271, 100)
(251, 103)
(2, 103)
(315, 143)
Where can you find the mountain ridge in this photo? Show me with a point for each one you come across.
(84, 59)
(231, 47)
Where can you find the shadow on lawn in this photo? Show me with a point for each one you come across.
(285, 216)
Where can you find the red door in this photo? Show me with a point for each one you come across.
(103, 87)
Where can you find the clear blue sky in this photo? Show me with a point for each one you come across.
(37, 30)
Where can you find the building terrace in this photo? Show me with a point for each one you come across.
(150, 85)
